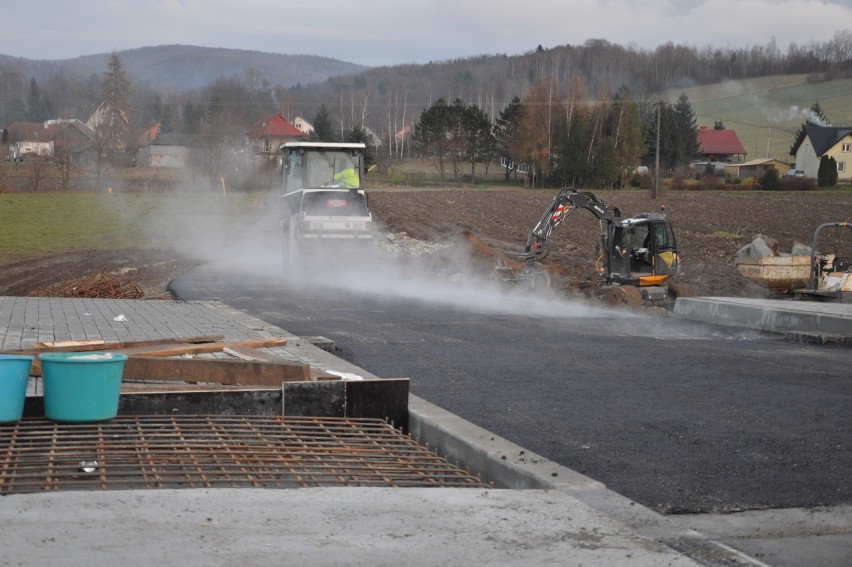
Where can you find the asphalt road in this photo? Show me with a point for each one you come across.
(680, 417)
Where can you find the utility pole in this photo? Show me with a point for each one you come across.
(657, 167)
(768, 136)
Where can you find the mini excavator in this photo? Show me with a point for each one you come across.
(639, 251)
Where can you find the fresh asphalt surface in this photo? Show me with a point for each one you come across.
(678, 416)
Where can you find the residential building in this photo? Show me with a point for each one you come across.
(303, 125)
(817, 141)
(719, 145)
(166, 150)
(756, 168)
(267, 134)
(47, 140)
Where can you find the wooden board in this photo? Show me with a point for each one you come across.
(180, 350)
(69, 344)
(164, 350)
(99, 344)
(215, 371)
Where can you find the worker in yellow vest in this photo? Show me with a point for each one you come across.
(348, 178)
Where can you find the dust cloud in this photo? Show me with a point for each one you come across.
(241, 235)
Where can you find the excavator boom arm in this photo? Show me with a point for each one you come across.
(566, 202)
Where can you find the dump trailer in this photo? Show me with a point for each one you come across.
(325, 216)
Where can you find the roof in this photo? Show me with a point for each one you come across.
(823, 138)
(719, 142)
(28, 132)
(325, 145)
(273, 125)
(70, 135)
(758, 161)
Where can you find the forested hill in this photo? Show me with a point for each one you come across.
(597, 67)
(185, 67)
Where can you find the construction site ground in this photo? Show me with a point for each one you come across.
(578, 523)
(493, 223)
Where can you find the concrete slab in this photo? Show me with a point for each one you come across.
(333, 526)
(772, 315)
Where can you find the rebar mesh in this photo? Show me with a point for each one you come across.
(134, 452)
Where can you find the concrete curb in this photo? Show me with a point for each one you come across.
(829, 320)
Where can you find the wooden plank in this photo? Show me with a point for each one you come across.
(165, 350)
(215, 371)
(180, 350)
(150, 388)
(251, 353)
(114, 346)
(69, 344)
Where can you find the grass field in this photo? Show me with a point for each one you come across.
(36, 225)
(767, 111)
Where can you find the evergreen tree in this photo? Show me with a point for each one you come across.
(38, 107)
(686, 129)
(571, 146)
(832, 172)
(816, 117)
(323, 126)
(113, 127)
(823, 176)
(718, 125)
(770, 181)
(603, 170)
(479, 140)
(431, 134)
(359, 136)
(506, 131)
(457, 136)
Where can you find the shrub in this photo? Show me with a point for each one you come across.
(797, 184)
(677, 184)
(711, 183)
(770, 180)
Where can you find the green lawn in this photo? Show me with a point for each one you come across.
(37, 225)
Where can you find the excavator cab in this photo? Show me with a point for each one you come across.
(639, 251)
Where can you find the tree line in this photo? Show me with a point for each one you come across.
(596, 101)
(561, 135)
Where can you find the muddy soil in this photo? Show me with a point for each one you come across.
(710, 227)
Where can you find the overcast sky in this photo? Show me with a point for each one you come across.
(388, 32)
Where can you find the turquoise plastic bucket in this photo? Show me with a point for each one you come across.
(14, 374)
(81, 386)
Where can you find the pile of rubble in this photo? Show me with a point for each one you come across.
(100, 284)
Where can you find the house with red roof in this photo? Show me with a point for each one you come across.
(719, 145)
(267, 134)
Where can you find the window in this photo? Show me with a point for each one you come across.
(846, 148)
(841, 167)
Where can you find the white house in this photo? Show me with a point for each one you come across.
(818, 141)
